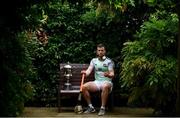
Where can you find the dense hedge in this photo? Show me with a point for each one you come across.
(149, 68)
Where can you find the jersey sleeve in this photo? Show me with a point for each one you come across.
(111, 65)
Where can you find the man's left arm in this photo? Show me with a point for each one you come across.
(110, 73)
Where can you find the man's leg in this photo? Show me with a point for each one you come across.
(106, 89)
(87, 88)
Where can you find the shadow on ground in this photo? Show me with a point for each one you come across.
(117, 112)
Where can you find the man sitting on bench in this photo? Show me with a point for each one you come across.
(104, 72)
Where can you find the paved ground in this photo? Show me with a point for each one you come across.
(117, 112)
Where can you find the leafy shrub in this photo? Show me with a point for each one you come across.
(16, 70)
(149, 67)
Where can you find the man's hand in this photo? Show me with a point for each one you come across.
(109, 74)
(106, 74)
(83, 72)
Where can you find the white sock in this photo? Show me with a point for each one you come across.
(90, 105)
(102, 107)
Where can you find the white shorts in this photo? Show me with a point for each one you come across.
(99, 84)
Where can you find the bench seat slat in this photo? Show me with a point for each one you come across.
(69, 91)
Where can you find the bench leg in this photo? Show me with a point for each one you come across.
(111, 102)
(59, 106)
(59, 101)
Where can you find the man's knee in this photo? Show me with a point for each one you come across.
(84, 87)
(106, 87)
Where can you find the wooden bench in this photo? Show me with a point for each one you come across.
(75, 81)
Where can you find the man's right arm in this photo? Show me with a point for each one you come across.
(89, 70)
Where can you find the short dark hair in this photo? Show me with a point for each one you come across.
(100, 45)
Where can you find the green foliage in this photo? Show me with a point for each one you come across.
(45, 59)
(119, 4)
(65, 43)
(149, 66)
(16, 70)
